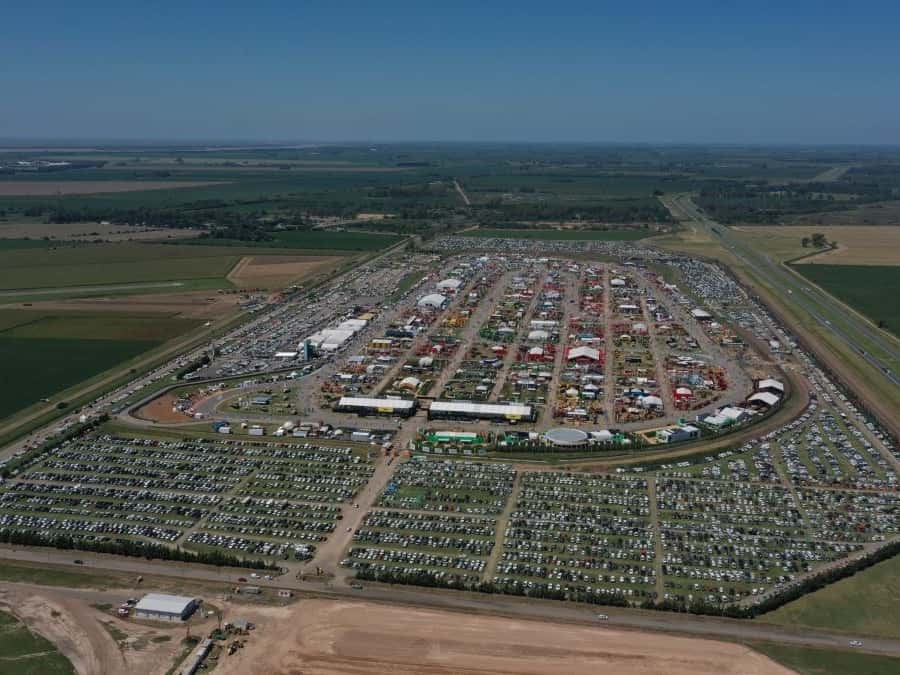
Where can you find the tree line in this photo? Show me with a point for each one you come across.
(697, 606)
(134, 549)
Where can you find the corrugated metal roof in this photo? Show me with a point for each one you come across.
(361, 402)
(482, 408)
(163, 603)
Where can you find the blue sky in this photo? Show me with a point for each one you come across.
(781, 72)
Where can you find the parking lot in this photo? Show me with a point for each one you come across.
(436, 518)
(274, 500)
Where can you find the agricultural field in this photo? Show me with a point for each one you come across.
(53, 188)
(869, 289)
(856, 244)
(809, 661)
(66, 266)
(574, 192)
(275, 271)
(24, 232)
(868, 602)
(878, 213)
(832, 190)
(75, 269)
(45, 353)
(20, 244)
(561, 235)
(26, 653)
(315, 240)
(229, 189)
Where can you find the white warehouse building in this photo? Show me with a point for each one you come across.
(164, 607)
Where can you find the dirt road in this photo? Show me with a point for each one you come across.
(465, 604)
(462, 194)
(84, 634)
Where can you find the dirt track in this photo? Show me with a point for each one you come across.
(65, 617)
(273, 271)
(161, 411)
(353, 638)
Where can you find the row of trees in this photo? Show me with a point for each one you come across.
(697, 606)
(75, 431)
(761, 202)
(127, 547)
(497, 213)
(817, 240)
(429, 580)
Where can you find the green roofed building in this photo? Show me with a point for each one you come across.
(454, 437)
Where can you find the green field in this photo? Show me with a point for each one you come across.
(871, 290)
(114, 327)
(561, 235)
(45, 354)
(41, 367)
(867, 602)
(19, 244)
(25, 653)
(829, 662)
(99, 264)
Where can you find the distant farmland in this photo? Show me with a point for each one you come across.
(84, 265)
(872, 290)
(315, 240)
(48, 188)
(72, 267)
(562, 235)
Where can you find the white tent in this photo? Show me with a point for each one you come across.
(410, 383)
(432, 300)
(584, 352)
(651, 402)
(450, 284)
(765, 398)
(769, 383)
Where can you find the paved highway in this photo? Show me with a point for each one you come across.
(858, 334)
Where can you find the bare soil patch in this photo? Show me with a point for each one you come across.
(275, 271)
(160, 410)
(66, 618)
(324, 637)
(47, 188)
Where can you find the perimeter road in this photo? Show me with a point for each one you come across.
(474, 603)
